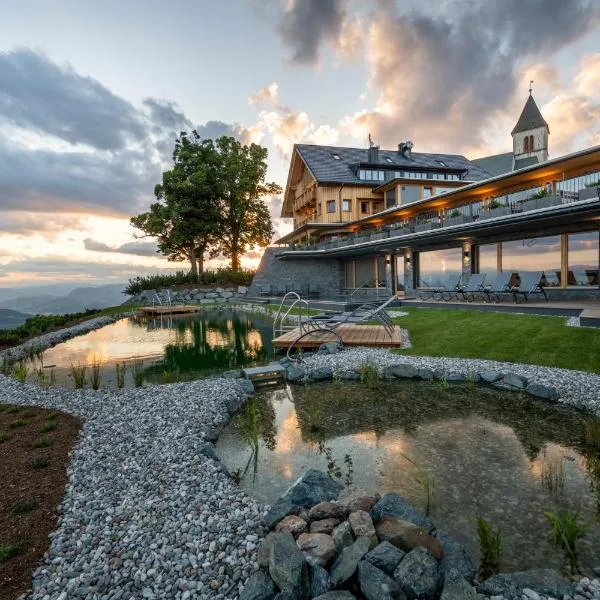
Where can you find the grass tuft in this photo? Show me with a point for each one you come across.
(566, 530)
(7, 551)
(20, 371)
(369, 375)
(121, 368)
(42, 442)
(490, 544)
(16, 423)
(51, 417)
(95, 379)
(137, 369)
(40, 463)
(24, 506)
(48, 427)
(3, 437)
(79, 375)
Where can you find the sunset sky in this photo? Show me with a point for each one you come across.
(92, 95)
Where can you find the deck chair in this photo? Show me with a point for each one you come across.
(448, 286)
(529, 284)
(581, 278)
(264, 290)
(296, 287)
(280, 289)
(475, 286)
(492, 290)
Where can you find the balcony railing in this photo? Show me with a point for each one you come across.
(417, 224)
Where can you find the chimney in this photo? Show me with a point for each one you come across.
(405, 148)
(373, 155)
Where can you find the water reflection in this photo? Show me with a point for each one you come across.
(493, 454)
(185, 347)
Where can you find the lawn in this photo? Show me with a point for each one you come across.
(499, 336)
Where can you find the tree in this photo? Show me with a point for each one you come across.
(244, 215)
(185, 220)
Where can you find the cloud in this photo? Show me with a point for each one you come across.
(166, 115)
(47, 225)
(136, 248)
(40, 95)
(308, 24)
(440, 80)
(266, 95)
(588, 79)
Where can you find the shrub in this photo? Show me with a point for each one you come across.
(40, 463)
(494, 204)
(490, 544)
(3, 437)
(42, 442)
(48, 427)
(220, 276)
(455, 213)
(24, 506)
(9, 550)
(16, 423)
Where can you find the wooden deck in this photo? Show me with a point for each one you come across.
(168, 310)
(353, 334)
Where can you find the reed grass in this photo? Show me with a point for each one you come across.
(20, 371)
(138, 373)
(567, 528)
(95, 377)
(120, 368)
(426, 482)
(79, 373)
(553, 473)
(369, 375)
(592, 434)
(490, 545)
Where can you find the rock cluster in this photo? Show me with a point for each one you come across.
(194, 295)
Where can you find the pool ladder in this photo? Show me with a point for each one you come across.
(284, 320)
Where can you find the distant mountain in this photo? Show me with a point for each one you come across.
(9, 319)
(76, 300)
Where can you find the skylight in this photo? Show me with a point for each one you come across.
(336, 156)
(442, 163)
(388, 159)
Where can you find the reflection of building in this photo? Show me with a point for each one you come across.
(398, 219)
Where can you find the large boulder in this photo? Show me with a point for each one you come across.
(318, 548)
(264, 549)
(386, 557)
(542, 391)
(281, 509)
(406, 536)
(393, 505)
(354, 500)
(512, 381)
(295, 373)
(258, 587)
(319, 581)
(287, 566)
(418, 574)
(456, 557)
(457, 588)
(543, 581)
(347, 562)
(327, 510)
(292, 524)
(323, 525)
(401, 371)
(490, 376)
(330, 348)
(320, 373)
(361, 523)
(311, 488)
(376, 585)
(342, 535)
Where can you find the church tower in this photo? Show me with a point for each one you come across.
(530, 136)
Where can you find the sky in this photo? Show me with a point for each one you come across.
(93, 95)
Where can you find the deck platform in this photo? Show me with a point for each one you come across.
(352, 334)
(165, 309)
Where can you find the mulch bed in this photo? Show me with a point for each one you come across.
(32, 485)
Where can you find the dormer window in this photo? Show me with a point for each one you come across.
(389, 160)
(336, 156)
(441, 162)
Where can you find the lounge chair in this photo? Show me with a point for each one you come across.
(581, 278)
(552, 278)
(264, 290)
(449, 286)
(280, 289)
(530, 284)
(492, 291)
(474, 286)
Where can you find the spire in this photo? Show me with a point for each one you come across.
(531, 117)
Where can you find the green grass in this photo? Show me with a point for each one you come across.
(9, 550)
(16, 423)
(42, 442)
(48, 427)
(528, 339)
(3, 437)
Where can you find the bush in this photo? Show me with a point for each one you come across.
(39, 324)
(219, 277)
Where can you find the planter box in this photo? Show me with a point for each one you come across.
(589, 193)
(538, 203)
(495, 212)
(457, 220)
(426, 226)
(402, 231)
(379, 236)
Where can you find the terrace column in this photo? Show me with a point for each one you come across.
(408, 270)
(389, 273)
(467, 262)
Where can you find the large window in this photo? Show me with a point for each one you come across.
(330, 206)
(368, 175)
(535, 254)
(440, 267)
(488, 258)
(346, 205)
(349, 274)
(583, 259)
(365, 273)
(410, 193)
(399, 272)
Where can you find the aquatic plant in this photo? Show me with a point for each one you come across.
(337, 374)
(3, 437)
(42, 442)
(471, 379)
(52, 378)
(9, 550)
(39, 463)
(443, 383)
(369, 375)
(553, 473)
(79, 375)
(95, 378)
(334, 470)
(169, 376)
(248, 425)
(349, 469)
(47, 427)
(592, 434)
(236, 475)
(567, 528)
(426, 482)
(314, 416)
(20, 371)
(120, 368)
(138, 373)
(490, 545)
(6, 367)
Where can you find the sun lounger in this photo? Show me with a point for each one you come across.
(500, 284)
(449, 286)
(530, 284)
(473, 287)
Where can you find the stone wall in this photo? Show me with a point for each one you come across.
(324, 274)
(191, 295)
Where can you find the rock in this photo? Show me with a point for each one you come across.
(208, 449)
(264, 550)
(330, 348)
(418, 574)
(347, 562)
(282, 508)
(350, 375)
(234, 374)
(258, 587)
(401, 371)
(542, 391)
(285, 596)
(242, 289)
(455, 377)
(321, 373)
(406, 536)
(336, 595)
(323, 526)
(318, 548)
(376, 585)
(393, 505)
(311, 488)
(287, 566)
(246, 385)
(319, 581)
(342, 536)
(292, 524)
(327, 510)
(386, 557)
(543, 581)
(514, 381)
(456, 557)
(295, 373)
(357, 500)
(490, 376)
(457, 588)
(233, 403)
(361, 523)
(425, 373)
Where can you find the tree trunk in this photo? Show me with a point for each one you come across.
(235, 260)
(200, 262)
(193, 265)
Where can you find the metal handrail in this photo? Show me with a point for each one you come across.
(281, 318)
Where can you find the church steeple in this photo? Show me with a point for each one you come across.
(530, 136)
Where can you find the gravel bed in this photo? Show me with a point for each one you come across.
(576, 388)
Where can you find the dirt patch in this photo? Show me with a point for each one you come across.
(34, 453)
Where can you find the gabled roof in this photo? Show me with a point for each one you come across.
(529, 161)
(323, 165)
(531, 117)
(496, 164)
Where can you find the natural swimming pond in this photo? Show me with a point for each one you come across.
(505, 457)
(161, 349)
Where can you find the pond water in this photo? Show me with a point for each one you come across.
(164, 348)
(498, 455)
